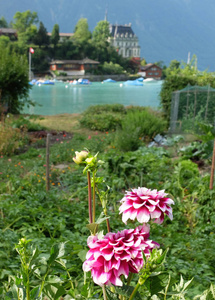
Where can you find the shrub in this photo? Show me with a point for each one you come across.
(11, 139)
(111, 68)
(102, 121)
(25, 122)
(138, 125)
(98, 109)
(103, 117)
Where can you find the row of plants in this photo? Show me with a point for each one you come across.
(44, 234)
(131, 125)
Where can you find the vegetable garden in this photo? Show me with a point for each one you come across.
(45, 235)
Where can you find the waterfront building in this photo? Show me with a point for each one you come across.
(150, 71)
(74, 67)
(124, 40)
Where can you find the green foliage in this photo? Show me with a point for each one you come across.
(3, 22)
(101, 33)
(54, 221)
(14, 84)
(55, 35)
(24, 122)
(111, 68)
(103, 117)
(81, 33)
(24, 24)
(41, 38)
(103, 121)
(39, 60)
(136, 126)
(98, 109)
(177, 79)
(11, 140)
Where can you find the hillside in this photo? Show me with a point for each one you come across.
(167, 29)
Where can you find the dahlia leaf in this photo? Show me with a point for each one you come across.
(127, 291)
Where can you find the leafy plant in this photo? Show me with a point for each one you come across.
(138, 125)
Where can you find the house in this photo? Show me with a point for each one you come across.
(74, 67)
(150, 71)
(10, 32)
(124, 40)
(62, 36)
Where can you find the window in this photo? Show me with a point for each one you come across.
(153, 69)
(156, 73)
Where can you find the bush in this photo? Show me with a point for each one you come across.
(138, 125)
(103, 117)
(22, 122)
(101, 122)
(11, 139)
(111, 68)
(98, 109)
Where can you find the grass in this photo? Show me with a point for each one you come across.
(67, 122)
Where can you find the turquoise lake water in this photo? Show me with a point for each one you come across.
(64, 98)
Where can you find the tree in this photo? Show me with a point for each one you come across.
(101, 33)
(24, 23)
(41, 38)
(100, 41)
(82, 34)
(55, 35)
(143, 62)
(3, 23)
(14, 85)
(24, 20)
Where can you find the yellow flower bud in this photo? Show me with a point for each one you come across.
(80, 156)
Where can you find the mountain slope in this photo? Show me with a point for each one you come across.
(167, 29)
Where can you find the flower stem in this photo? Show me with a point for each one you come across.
(94, 197)
(129, 278)
(104, 293)
(134, 292)
(89, 198)
(108, 225)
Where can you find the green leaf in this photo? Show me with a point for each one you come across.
(82, 255)
(53, 291)
(111, 295)
(35, 292)
(161, 259)
(157, 283)
(35, 254)
(57, 251)
(127, 291)
(93, 227)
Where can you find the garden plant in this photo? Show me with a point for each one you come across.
(45, 245)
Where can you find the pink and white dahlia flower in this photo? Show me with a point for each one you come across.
(143, 204)
(117, 254)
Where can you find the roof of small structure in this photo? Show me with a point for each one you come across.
(62, 34)
(80, 62)
(8, 30)
(196, 88)
(148, 66)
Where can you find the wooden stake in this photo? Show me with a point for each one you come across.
(212, 168)
(47, 163)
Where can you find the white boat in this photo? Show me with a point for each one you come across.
(149, 80)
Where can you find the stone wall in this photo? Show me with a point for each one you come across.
(120, 77)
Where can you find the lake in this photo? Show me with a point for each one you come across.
(65, 98)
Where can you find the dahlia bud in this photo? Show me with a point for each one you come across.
(80, 156)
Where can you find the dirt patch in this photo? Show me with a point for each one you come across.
(39, 137)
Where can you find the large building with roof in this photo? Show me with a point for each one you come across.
(124, 40)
